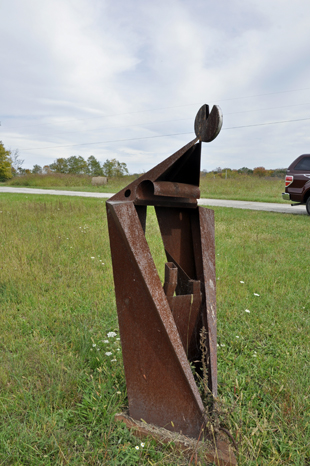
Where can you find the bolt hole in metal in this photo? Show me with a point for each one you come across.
(127, 193)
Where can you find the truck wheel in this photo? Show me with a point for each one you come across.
(308, 205)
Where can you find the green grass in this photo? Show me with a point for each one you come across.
(242, 187)
(69, 182)
(59, 391)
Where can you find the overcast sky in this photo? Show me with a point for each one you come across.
(124, 79)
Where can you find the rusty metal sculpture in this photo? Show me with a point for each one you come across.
(161, 325)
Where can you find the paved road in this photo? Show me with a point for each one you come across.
(267, 206)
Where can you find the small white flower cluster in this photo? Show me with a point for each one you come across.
(109, 353)
(93, 257)
(83, 229)
(142, 446)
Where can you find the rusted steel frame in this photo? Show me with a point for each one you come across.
(171, 279)
(160, 385)
(207, 235)
(167, 188)
(148, 189)
(157, 173)
(188, 237)
(161, 326)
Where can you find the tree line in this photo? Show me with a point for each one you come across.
(11, 165)
(258, 171)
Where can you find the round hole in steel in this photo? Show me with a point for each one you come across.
(127, 193)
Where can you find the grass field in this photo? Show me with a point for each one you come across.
(242, 188)
(69, 182)
(61, 373)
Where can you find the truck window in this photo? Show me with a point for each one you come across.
(303, 164)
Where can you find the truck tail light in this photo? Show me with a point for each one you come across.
(288, 180)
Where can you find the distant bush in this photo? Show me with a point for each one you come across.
(260, 171)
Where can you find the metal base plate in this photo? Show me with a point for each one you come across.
(218, 452)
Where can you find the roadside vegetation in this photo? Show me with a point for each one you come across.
(75, 174)
(69, 182)
(61, 372)
(241, 187)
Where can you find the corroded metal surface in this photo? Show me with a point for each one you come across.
(160, 324)
(208, 125)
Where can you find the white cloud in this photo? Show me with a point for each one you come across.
(77, 72)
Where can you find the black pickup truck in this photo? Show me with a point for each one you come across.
(297, 182)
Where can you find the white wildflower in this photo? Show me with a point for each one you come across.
(241, 281)
(94, 344)
(142, 444)
(247, 311)
(237, 336)
(256, 294)
(108, 353)
(111, 334)
(137, 448)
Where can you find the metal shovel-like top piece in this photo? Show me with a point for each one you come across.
(208, 125)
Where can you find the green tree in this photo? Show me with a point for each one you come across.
(245, 171)
(37, 170)
(59, 166)
(77, 165)
(93, 166)
(114, 168)
(5, 163)
(17, 163)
